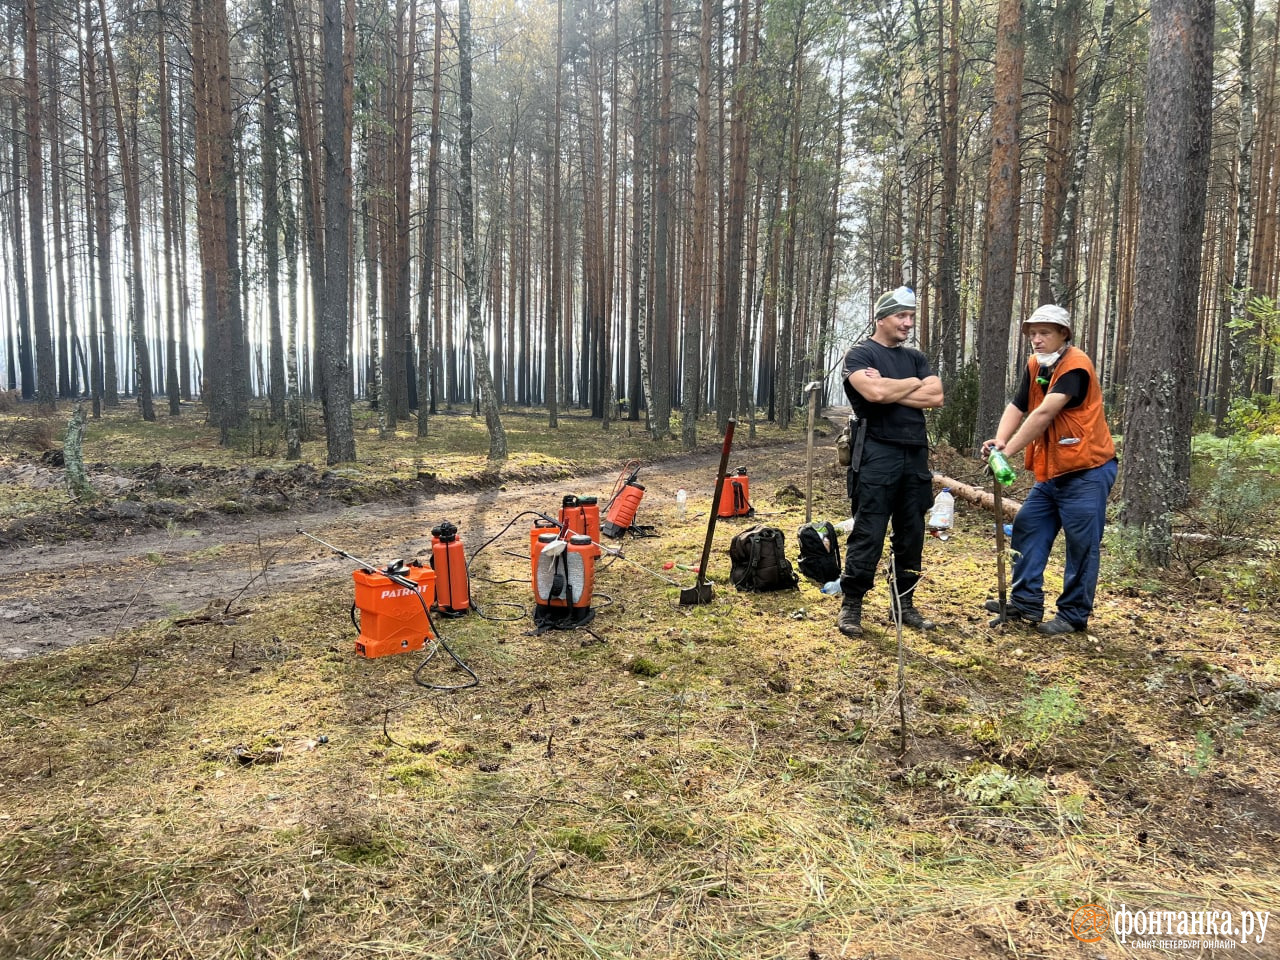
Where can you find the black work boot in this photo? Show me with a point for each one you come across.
(1057, 627)
(1011, 614)
(849, 621)
(913, 618)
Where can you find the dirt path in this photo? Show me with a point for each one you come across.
(57, 596)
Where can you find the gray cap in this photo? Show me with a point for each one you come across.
(895, 301)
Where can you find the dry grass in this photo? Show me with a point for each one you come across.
(739, 794)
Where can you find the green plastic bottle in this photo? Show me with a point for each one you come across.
(1000, 468)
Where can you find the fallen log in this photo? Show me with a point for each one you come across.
(979, 497)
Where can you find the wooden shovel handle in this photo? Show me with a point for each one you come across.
(715, 500)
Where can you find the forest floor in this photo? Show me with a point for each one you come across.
(195, 763)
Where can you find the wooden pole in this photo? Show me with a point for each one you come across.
(812, 390)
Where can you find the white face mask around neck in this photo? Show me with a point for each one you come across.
(1048, 359)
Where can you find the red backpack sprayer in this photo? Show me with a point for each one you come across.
(394, 604)
(620, 515)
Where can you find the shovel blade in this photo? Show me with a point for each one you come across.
(697, 594)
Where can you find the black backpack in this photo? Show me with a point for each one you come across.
(819, 551)
(759, 561)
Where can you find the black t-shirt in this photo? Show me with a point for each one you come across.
(888, 422)
(1074, 383)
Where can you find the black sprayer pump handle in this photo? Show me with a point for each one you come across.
(715, 501)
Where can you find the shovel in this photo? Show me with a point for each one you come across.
(999, 505)
(701, 591)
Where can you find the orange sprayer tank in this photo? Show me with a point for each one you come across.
(453, 585)
(622, 511)
(582, 515)
(563, 579)
(392, 617)
(541, 529)
(734, 497)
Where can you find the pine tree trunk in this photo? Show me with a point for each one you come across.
(46, 391)
(133, 223)
(551, 384)
(334, 355)
(26, 356)
(698, 255)
(1061, 283)
(637, 382)
(1175, 163)
(104, 352)
(169, 225)
(660, 371)
(428, 355)
(470, 260)
(729, 314)
(63, 263)
(1235, 330)
(1001, 235)
(271, 150)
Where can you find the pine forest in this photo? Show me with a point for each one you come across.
(650, 211)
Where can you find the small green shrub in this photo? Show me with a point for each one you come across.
(1203, 755)
(955, 422)
(1048, 713)
(991, 785)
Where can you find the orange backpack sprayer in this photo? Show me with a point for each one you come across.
(621, 513)
(393, 613)
(394, 604)
(734, 497)
(563, 579)
(453, 586)
(581, 515)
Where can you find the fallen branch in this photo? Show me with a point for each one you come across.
(982, 498)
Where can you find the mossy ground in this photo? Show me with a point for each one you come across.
(723, 780)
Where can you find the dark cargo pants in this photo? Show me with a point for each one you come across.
(893, 484)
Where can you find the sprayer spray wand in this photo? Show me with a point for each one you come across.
(391, 571)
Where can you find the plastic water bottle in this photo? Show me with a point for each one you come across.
(845, 525)
(682, 498)
(831, 587)
(943, 514)
(1000, 468)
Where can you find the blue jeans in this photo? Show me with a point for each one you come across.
(1076, 504)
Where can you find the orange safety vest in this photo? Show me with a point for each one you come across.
(1078, 438)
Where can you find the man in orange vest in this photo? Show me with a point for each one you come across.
(1068, 446)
